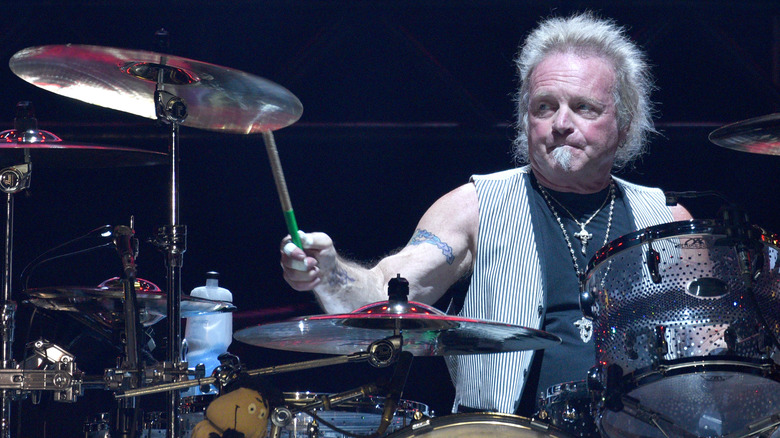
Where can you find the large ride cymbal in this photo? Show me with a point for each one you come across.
(217, 98)
(760, 135)
(425, 330)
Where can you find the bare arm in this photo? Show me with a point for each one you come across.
(441, 251)
(680, 213)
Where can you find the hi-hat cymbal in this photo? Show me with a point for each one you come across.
(760, 135)
(426, 332)
(104, 305)
(217, 98)
(49, 150)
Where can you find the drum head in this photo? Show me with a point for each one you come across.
(489, 425)
(704, 404)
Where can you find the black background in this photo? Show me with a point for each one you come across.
(403, 101)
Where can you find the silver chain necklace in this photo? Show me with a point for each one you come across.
(584, 324)
(582, 231)
(582, 234)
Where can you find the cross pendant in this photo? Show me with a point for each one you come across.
(584, 236)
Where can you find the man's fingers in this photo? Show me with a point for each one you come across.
(298, 265)
(288, 248)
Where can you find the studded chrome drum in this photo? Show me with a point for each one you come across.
(681, 344)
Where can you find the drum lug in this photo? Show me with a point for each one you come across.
(629, 341)
(595, 379)
(613, 391)
(742, 333)
(608, 383)
(766, 341)
(661, 346)
(653, 263)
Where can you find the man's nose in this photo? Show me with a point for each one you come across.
(562, 122)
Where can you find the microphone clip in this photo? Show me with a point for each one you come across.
(127, 246)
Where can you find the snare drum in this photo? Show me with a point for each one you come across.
(682, 348)
(482, 424)
(361, 416)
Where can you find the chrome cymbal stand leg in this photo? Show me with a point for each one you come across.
(7, 319)
(12, 180)
(128, 411)
(172, 110)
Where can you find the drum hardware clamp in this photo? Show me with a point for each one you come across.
(155, 376)
(49, 368)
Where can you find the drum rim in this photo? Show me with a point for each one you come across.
(765, 368)
(665, 231)
(366, 404)
(446, 421)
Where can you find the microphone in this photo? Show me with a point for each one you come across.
(126, 245)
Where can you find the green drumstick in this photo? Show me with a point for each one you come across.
(281, 188)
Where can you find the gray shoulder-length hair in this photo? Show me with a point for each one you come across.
(586, 34)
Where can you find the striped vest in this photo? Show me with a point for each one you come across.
(506, 284)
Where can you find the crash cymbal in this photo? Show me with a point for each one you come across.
(217, 98)
(48, 150)
(104, 305)
(426, 332)
(760, 135)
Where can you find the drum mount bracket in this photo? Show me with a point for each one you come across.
(124, 379)
(282, 416)
(49, 368)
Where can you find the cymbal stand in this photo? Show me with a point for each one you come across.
(13, 179)
(128, 414)
(172, 110)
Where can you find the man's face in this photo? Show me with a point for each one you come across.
(572, 123)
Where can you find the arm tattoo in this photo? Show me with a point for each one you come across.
(423, 236)
(339, 278)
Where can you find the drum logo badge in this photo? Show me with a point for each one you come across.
(694, 243)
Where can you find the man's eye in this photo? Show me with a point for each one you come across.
(542, 108)
(587, 108)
